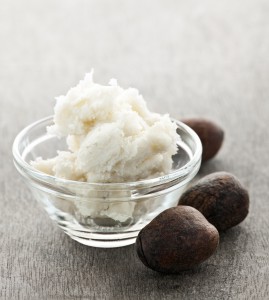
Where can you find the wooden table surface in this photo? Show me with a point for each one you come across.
(188, 58)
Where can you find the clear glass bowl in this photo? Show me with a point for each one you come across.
(103, 215)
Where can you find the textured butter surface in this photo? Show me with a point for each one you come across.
(111, 135)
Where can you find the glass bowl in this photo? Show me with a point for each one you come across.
(103, 215)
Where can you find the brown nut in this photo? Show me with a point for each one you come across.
(220, 197)
(178, 239)
(210, 134)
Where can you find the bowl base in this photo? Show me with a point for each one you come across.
(100, 240)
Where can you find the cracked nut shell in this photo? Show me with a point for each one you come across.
(178, 239)
(220, 197)
(210, 134)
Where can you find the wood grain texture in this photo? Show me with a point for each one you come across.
(188, 58)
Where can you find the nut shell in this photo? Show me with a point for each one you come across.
(220, 197)
(210, 134)
(178, 239)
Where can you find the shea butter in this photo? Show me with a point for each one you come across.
(111, 136)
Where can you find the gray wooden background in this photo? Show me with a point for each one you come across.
(188, 58)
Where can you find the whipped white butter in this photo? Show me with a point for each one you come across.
(111, 136)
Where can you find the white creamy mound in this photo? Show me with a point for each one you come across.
(111, 136)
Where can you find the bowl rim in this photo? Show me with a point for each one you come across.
(41, 176)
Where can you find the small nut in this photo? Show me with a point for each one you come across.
(210, 134)
(220, 197)
(178, 239)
